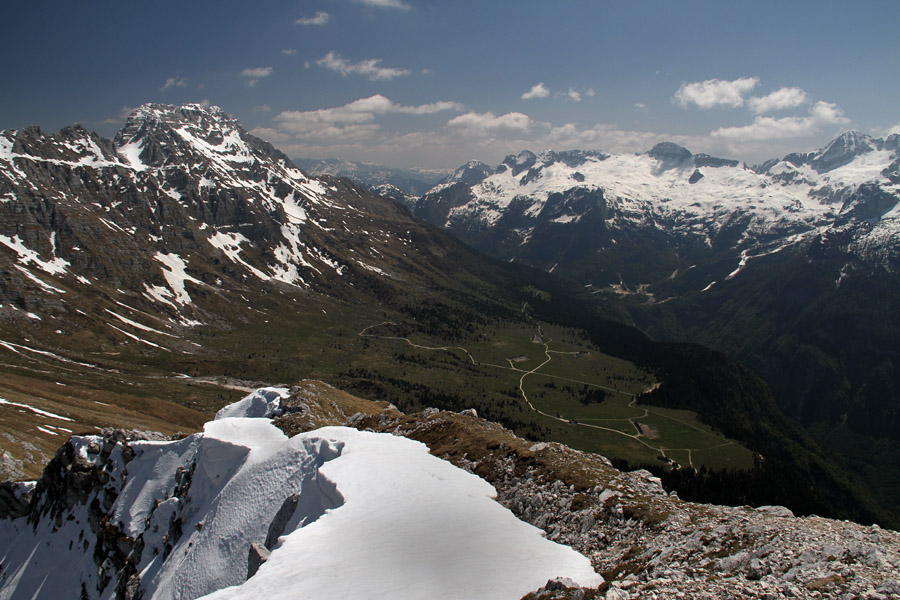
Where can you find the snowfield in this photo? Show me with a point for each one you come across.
(376, 517)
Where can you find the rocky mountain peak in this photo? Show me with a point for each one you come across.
(150, 117)
(842, 150)
(522, 161)
(669, 152)
(471, 173)
(157, 134)
(572, 158)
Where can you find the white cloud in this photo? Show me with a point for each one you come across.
(254, 75)
(257, 73)
(319, 19)
(124, 113)
(786, 97)
(353, 121)
(485, 124)
(607, 138)
(640, 105)
(378, 104)
(574, 95)
(174, 82)
(539, 90)
(289, 52)
(821, 115)
(715, 92)
(369, 67)
(385, 3)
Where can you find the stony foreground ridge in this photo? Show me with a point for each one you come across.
(650, 544)
(646, 543)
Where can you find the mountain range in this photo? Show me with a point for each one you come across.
(708, 208)
(187, 248)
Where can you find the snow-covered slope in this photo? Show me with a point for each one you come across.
(344, 513)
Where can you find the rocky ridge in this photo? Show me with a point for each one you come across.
(645, 542)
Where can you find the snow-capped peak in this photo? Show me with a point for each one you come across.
(669, 152)
(841, 151)
(164, 132)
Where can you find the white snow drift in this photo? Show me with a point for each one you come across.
(376, 517)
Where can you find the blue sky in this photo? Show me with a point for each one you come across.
(436, 83)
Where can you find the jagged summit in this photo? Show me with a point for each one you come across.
(842, 151)
(173, 115)
(155, 134)
(670, 152)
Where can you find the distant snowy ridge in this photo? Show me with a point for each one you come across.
(851, 184)
(344, 513)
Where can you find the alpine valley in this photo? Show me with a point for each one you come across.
(790, 267)
(148, 281)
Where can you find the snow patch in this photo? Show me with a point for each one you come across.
(37, 411)
(411, 526)
(137, 325)
(176, 276)
(55, 266)
(372, 268)
(41, 283)
(131, 154)
(230, 244)
(136, 338)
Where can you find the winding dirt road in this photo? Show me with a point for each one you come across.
(535, 371)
